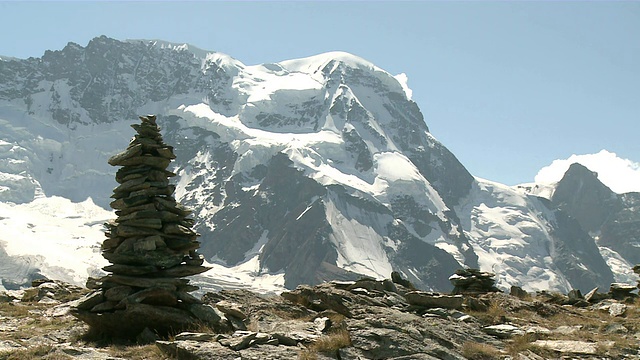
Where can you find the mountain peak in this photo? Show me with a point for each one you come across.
(319, 61)
(585, 197)
(162, 44)
(577, 169)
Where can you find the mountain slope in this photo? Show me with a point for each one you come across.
(304, 170)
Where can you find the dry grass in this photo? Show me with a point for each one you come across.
(333, 341)
(590, 325)
(32, 353)
(138, 352)
(29, 321)
(337, 339)
(14, 310)
(479, 351)
(520, 344)
(495, 313)
(307, 354)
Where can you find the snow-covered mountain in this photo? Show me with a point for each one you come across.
(299, 171)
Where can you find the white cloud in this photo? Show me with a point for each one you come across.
(403, 80)
(620, 175)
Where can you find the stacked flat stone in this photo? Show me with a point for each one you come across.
(473, 281)
(636, 269)
(150, 245)
(621, 291)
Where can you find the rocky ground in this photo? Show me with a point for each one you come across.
(366, 319)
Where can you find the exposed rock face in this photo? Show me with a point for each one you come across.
(573, 248)
(585, 198)
(598, 210)
(621, 231)
(151, 247)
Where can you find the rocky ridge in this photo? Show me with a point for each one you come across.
(363, 319)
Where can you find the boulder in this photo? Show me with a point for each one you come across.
(205, 313)
(398, 279)
(617, 309)
(518, 292)
(590, 294)
(231, 309)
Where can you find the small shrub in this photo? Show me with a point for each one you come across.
(494, 314)
(330, 343)
(519, 344)
(333, 341)
(478, 351)
(307, 354)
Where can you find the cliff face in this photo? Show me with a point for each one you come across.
(612, 218)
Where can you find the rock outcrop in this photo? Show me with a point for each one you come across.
(363, 319)
(473, 281)
(150, 245)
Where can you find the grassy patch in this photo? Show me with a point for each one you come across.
(307, 354)
(332, 342)
(14, 310)
(520, 344)
(479, 351)
(138, 352)
(495, 313)
(335, 340)
(31, 353)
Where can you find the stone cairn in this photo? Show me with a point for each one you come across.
(150, 246)
(473, 281)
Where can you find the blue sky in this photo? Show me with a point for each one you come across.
(507, 86)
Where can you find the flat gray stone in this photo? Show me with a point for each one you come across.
(503, 331)
(569, 346)
(196, 336)
(239, 340)
(434, 300)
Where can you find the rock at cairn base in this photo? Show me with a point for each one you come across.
(473, 281)
(150, 246)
